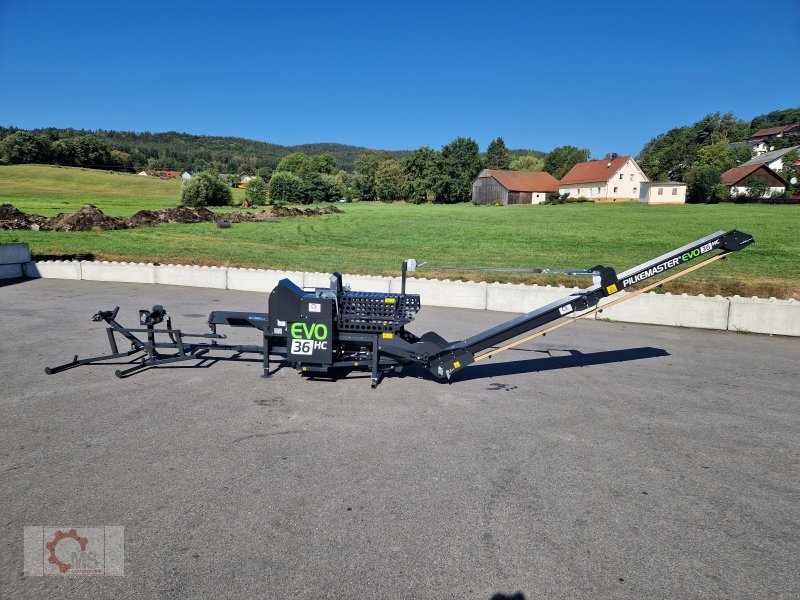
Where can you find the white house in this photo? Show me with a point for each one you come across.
(608, 180)
(774, 159)
(186, 175)
(662, 192)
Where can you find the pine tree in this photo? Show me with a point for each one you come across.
(497, 156)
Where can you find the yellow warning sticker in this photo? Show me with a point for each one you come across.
(612, 289)
(457, 365)
(388, 336)
(390, 300)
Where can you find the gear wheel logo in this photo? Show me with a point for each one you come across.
(53, 544)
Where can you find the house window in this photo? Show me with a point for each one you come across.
(634, 190)
(621, 176)
(674, 191)
(631, 176)
(598, 190)
(660, 191)
(615, 190)
(579, 190)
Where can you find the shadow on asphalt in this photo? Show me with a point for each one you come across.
(575, 358)
(15, 281)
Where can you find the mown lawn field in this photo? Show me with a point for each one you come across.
(373, 238)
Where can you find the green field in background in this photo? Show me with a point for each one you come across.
(373, 238)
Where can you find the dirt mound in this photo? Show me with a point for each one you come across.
(248, 217)
(324, 210)
(11, 218)
(88, 218)
(187, 214)
(145, 218)
(91, 218)
(180, 214)
(288, 211)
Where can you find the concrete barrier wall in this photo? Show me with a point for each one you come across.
(115, 271)
(54, 269)
(508, 297)
(10, 271)
(16, 253)
(260, 280)
(194, 276)
(757, 315)
(665, 309)
(438, 292)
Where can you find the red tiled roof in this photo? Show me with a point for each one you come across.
(594, 171)
(525, 181)
(737, 174)
(773, 130)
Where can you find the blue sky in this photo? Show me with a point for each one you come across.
(604, 75)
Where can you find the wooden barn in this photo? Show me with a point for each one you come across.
(512, 187)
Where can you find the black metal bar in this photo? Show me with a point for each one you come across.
(112, 340)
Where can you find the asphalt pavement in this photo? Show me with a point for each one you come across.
(605, 460)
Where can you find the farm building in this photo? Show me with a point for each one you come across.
(662, 192)
(739, 180)
(512, 187)
(608, 180)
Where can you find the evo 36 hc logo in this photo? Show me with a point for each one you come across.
(307, 337)
(698, 251)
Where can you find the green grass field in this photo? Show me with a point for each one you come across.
(374, 238)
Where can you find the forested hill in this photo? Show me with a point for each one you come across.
(185, 152)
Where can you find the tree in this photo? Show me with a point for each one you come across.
(264, 172)
(205, 189)
(24, 147)
(366, 166)
(704, 185)
(315, 188)
(256, 191)
(458, 166)
(418, 168)
(497, 156)
(389, 181)
(296, 163)
(323, 163)
(529, 162)
(777, 118)
(285, 187)
(82, 150)
(757, 187)
(563, 158)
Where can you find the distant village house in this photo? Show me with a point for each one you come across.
(773, 159)
(761, 138)
(740, 179)
(161, 174)
(512, 187)
(615, 179)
